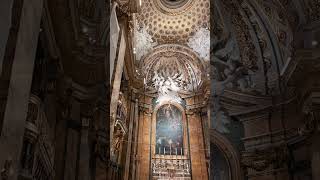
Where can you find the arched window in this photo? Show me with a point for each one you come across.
(169, 131)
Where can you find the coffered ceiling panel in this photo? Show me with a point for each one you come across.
(173, 21)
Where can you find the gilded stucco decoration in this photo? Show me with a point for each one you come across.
(200, 43)
(173, 64)
(279, 22)
(143, 42)
(173, 22)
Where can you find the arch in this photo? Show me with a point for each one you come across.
(169, 130)
(184, 126)
(230, 154)
(179, 63)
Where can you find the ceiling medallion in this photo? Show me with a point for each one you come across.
(173, 7)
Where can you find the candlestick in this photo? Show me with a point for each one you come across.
(176, 157)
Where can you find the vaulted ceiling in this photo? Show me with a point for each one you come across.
(170, 21)
(171, 43)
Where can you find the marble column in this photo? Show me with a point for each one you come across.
(143, 160)
(197, 146)
(19, 76)
(133, 108)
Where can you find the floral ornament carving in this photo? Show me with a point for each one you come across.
(228, 70)
(200, 43)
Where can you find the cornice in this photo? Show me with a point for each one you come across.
(242, 104)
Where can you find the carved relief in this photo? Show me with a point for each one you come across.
(174, 64)
(261, 160)
(243, 37)
(278, 21)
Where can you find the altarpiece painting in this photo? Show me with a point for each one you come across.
(169, 131)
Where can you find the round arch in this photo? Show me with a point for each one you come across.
(229, 152)
(184, 122)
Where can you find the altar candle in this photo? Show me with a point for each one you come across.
(176, 156)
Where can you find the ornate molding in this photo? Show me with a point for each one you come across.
(176, 63)
(168, 25)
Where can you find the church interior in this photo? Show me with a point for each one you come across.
(159, 89)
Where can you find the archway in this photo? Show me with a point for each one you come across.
(229, 153)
